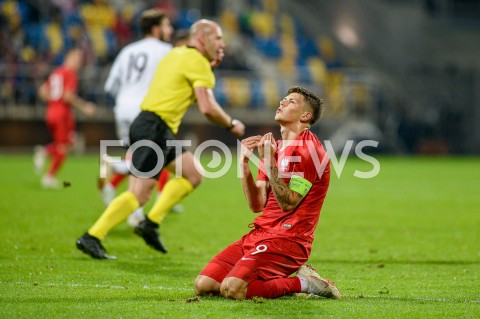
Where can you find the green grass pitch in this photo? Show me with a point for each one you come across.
(405, 244)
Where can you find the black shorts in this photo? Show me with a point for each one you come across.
(151, 134)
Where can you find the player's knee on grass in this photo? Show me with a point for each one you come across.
(205, 286)
(234, 288)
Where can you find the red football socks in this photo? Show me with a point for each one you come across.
(273, 288)
(58, 158)
(163, 179)
(116, 179)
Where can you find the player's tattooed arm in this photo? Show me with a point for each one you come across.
(286, 198)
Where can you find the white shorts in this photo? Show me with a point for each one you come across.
(123, 131)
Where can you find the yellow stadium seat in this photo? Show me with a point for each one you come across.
(263, 24)
(287, 25)
(287, 67)
(271, 93)
(228, 20)
(289, 46)
(53, 33)
(97, 36)
(326, 48)
(238, 91)
(334, 94)
(318, 70)
(270, 5)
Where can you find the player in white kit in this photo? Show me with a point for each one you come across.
(128, 82)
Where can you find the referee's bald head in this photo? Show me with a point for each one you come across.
(203, 26)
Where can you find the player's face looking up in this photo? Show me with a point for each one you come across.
(291, 108)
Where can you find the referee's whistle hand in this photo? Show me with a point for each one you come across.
(238, 130)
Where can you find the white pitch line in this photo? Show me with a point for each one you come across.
(411, 298)
(93, 286)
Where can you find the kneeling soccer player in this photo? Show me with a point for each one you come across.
(290, 189)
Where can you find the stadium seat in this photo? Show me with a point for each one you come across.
(229, 21)
(271, 92)
(306, 47)
(289, 47)
(186, 18)
(327, 51)
(334, 94)
(287, 67)
(268, 46)
(219, 91)
(303, 73)
(263, 24)
(318, 70)
(97, 36)
(238, 91)
(270, 5)
(33, 33)
(54, 35)
(257, 94)
(287, 25)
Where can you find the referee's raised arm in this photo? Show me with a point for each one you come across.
(211, 109)
(207, 37)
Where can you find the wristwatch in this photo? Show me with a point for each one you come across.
(232, 124)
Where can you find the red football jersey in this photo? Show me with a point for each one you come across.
(304, 157)
(61, 80)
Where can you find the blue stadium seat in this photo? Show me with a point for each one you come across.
(33, 34)
(268, 46)
(219, 91)
(258, 97)
(303, 72)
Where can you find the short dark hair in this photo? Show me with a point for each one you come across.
(314, 101)
(181, 35)
(151, 18)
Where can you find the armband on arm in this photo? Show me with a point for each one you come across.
(300, 185)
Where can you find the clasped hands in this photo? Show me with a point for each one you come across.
(266, 146)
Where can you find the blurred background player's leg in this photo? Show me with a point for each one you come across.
(62, 130)
(117, 171)
(42, 153)
(59, 154)
(109, 189)
(112, 174)
(40, 156)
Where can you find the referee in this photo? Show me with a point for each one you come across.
(183, 76)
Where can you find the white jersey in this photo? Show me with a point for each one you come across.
(131, 74)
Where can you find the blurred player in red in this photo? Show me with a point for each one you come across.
(60, 93)
(290, 189)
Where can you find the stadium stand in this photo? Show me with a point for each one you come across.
(271, 45)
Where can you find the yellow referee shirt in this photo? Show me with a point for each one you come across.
(171, 91)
